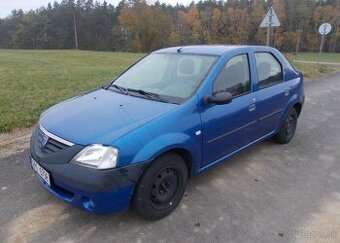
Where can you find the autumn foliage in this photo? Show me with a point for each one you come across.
(142, 26)
(231, 22)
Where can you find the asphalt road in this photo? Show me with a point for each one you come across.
(269, 193)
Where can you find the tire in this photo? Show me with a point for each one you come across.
(288, 127)
(161, 187)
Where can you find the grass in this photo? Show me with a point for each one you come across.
(31, 81)
(311, 70)
(313, 56)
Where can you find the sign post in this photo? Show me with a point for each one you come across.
(268, 33)
(324, 30)
(269, 21)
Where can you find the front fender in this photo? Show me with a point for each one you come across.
(167, 142)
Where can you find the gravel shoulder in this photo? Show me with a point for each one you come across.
(14, 142)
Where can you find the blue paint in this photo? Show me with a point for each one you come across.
(102, 202)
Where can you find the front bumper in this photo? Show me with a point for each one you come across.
(93, 191)
(98, 191)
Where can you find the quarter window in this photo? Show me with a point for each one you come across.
(269, 70)
(234, 77)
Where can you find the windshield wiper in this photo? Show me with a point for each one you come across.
(120, 88)
(149, 94)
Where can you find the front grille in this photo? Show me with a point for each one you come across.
(51, 146)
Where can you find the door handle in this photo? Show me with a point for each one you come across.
(286, 92)
(252, 107)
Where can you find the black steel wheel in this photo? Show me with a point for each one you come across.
(288, 127)
(161, 187)
(164, 188)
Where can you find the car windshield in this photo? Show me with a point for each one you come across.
(165, 77)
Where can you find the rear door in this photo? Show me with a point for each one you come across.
(272, 92)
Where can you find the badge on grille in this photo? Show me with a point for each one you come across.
(43, 140)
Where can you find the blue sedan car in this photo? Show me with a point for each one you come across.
(134, 142)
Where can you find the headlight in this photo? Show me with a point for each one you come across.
(97, 156)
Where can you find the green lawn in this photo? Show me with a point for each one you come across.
(311, 70)
(31, 81)
(313, 56)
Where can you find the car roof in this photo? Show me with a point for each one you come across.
(209, 49)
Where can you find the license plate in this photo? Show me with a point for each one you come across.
(41, 171)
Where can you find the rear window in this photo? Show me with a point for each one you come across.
(269, 70)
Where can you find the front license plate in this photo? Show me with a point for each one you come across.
(41, 171)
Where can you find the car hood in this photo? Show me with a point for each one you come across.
(100, 116)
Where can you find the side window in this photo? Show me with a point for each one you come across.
(234, 77)
(269, 70)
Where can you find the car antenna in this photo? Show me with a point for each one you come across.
(179, 49)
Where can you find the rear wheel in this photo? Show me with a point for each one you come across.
(288, 127)
(161, 188)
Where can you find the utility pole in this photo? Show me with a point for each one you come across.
(75, 29)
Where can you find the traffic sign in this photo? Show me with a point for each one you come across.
(271, 19)
(325, 28)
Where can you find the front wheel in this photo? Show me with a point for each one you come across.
(288, 127)
(161, 187)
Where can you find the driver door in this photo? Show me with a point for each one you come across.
(229, 127)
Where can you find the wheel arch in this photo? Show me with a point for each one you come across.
(186, 156)
(182, 152)
(293, 103)
(298, 108)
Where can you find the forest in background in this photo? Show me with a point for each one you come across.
(143, 26)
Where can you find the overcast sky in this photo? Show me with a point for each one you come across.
(6, 6)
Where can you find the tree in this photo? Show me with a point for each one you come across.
(135, 25)
(191, 24)
(257, 34)
(278, 32)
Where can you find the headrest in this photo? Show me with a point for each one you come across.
(264, 67)
(263, 70)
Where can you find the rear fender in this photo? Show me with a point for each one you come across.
(293, 100)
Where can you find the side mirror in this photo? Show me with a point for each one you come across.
(219, 98)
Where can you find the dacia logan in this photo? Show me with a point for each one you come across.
(134, 142)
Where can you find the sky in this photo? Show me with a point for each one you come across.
(6, 6)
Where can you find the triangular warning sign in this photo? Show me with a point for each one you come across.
(270, 19)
